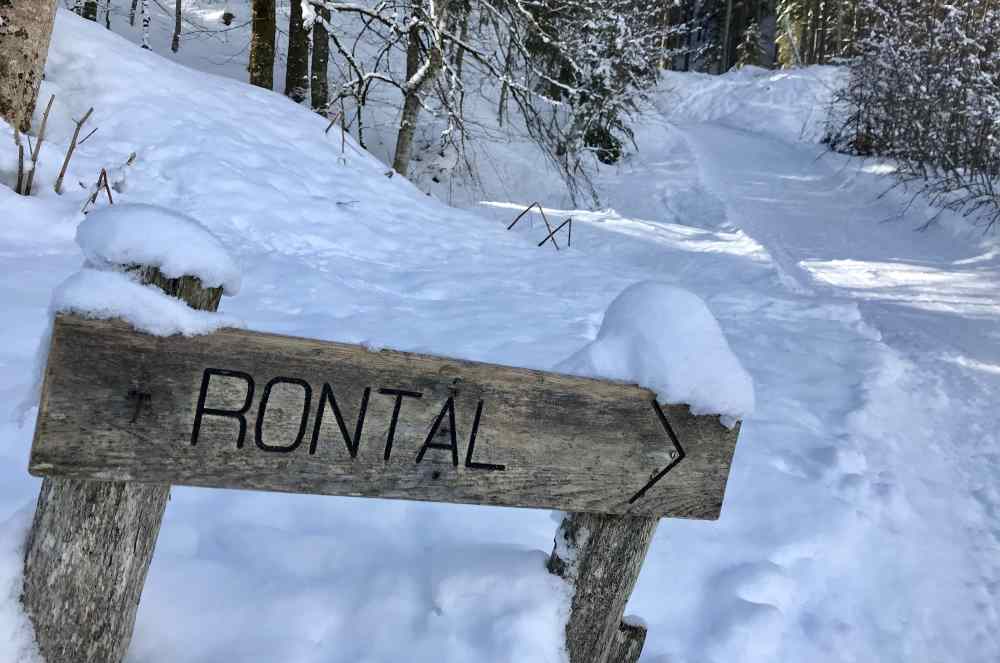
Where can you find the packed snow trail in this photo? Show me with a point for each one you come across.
(861, 521)
(899, 400)
(935, 302)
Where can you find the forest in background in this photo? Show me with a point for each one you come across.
(922, 85)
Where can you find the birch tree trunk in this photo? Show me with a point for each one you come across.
(297, 65)
(419, 75)
(411, 107)
(262, 44)
(91, 543)
(25, 31)
(319, 85)
(145, 24)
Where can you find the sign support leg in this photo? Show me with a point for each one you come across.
(91, 543)
(601, 556)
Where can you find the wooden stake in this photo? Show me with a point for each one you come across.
(91, 544)
(601, 557)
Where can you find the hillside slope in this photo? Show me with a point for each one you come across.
(862, 519)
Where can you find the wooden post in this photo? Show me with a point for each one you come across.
(627, 643)
(91, 544)
(601, 557)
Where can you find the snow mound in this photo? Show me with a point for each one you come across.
(665, 338)
(103, 295)
(138, 234)
(790, 104)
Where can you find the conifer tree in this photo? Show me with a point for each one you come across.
(751, 50)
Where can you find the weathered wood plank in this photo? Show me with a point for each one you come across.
(91, 543)
(239, 409)
(626, 647)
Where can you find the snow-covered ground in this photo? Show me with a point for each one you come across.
(862, 518)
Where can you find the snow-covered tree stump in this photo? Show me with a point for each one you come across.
(601, 556)
(91, 544)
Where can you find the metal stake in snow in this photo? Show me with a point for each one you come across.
(124, 414)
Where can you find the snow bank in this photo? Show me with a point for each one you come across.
(98, 294)
(138, 234)
(665, 338)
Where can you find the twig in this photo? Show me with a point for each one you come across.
(84, 139)
(38, 147)
(551, 234)
(343, 131)
(20, 164)
(548, 226)
(107, 187)
(102, 180)
(69, 152)
(526, 209)
(333, 120)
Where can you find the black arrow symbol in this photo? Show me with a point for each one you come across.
(678, 454)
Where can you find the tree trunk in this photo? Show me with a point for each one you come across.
(810, 28)
(727, 39)
(823, 28)
(601, 557)
(175, 43)
(145, 24)
(90, 10)
(297, 65)
(411, 107)
(419, 75)
(262, 44)
(131, 13)
(91, 544)
(24, 44)
(319, 84)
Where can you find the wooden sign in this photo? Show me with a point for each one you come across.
(241, 409)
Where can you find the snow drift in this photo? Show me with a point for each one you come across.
(665, 338)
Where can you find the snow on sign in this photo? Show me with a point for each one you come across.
(241, 409)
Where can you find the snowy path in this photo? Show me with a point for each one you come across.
(874, 356)
(889, 416)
